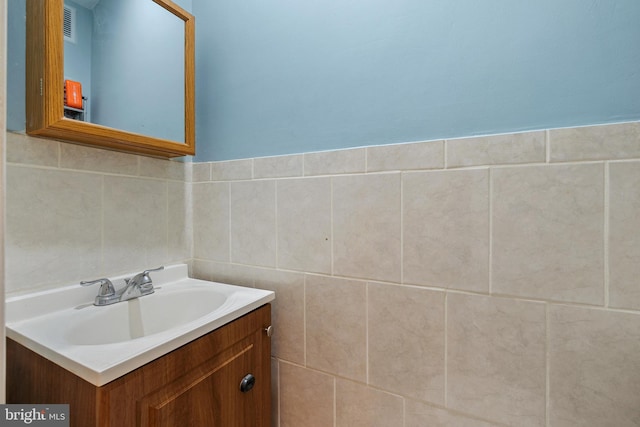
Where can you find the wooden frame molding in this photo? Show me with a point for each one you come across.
(44, 91)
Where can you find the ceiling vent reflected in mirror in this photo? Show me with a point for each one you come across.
(69, 24)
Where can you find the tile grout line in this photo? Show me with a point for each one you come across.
(191, 205)
(366, 331)
(331, 208)
(166, 184)
(547, 367)
(304, 318)
(490, 260)
(402, 227)
(446, 350)
(445, 157)
(229, 221)
(502, 296)
(547, 146)
(275, 190)
(606, 233)
(58, 155)
(335, 402)
(482, 165)
(470, 167)
(279, 395)
(303, 164)
(102, 234)
(366, 159)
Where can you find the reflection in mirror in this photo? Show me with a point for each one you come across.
(123, 55)
(45, 79)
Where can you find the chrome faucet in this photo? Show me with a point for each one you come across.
(136, 286)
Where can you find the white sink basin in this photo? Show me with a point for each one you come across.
(101, 344)
(165, 309)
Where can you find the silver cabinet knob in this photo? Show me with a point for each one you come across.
(247, 383)
(269, 330)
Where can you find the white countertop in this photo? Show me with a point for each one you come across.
(64, 326)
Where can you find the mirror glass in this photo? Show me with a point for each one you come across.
(128, 58)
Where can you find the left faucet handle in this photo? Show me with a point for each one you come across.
(106, 287)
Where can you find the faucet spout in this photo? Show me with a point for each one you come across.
(139, 285)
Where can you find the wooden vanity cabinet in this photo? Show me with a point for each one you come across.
(195, 385)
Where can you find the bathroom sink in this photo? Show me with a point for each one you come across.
(163, 310)
(103, 343)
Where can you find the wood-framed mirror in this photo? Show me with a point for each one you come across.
(47, 81)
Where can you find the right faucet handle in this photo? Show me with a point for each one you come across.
(106, 287)
(146, 272)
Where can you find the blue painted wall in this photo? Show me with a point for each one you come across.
(290, 76)
(287, 76)
(16, 45)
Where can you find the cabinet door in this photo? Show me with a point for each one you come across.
(210, 395)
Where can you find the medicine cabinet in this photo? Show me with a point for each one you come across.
(130, 93)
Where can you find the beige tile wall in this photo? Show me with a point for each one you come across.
(483, 281)
(77, 213)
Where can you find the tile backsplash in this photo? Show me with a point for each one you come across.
(483, 281)
(77, 213)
